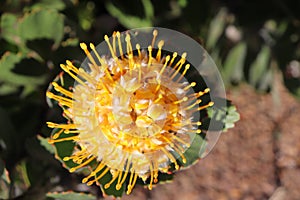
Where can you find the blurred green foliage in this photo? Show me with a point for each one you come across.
(249, 41)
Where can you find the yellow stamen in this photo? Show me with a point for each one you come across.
(160, 45)
(98, 177)
(193, 84)
(60, 89)
(71, 131)
(180, 151)
(181, 100)
(160, 96)
(73, 169)
(140, 72)
(179, 65)
(66, 69)
(194, 104)
(62, 100)
(128, 44)
(101, 61)
(194, 131)
(56, 135)
(63, 126)
(74, 138)
(196, 123)
(126, 172)
(150, 56)
(171, 157)
(120, 45)
(115, 176)
(165, 65)
(131, 184)
(86, 76)
(138, 47)
(180, 140)
(94, 172)
(90, 57)
(173, 58)
(109, 46)
(71, 66)
(201, 93)
(155, 33)
(187, 66)
(114, 41)
(155, 171)
(205, 106)
(151, 175)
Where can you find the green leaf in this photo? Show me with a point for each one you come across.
(71, 196)
(49, 4)
(149, 10)
(129, 21)
(44, 142)
(225, 117)
(6, 89)
(265, 83)
(232, 117)
(194, 152)
(234, 63)
(64, 149)
(259, 66)
(111, 191)
(7, 75)
(216, 28)
(42, 24)
(10, 28)
(182, 3)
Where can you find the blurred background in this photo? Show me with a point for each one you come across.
(255, 44)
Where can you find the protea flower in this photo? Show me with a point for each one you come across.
(132, 112)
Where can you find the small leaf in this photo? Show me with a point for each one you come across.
(44, 142)
(182, 3)
(7, 89)
(128, 21)
(232, 117)
(149, 10)
(71, 196)
(10, 28)
(216, 28)
(194, 152)
(7, 76)
(234, 63)
(266, 82)
(49, 4)
(225, 117)
(42, 24)
(260, 65)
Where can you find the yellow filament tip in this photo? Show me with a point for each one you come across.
(155, 33)
(83, 46)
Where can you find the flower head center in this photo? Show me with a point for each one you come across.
(143, 110)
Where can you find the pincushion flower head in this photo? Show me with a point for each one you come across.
(138, 108)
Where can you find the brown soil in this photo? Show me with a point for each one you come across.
(258, 159)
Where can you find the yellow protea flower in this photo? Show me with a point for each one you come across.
(131, 112)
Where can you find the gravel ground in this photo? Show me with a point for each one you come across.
(258, 159)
